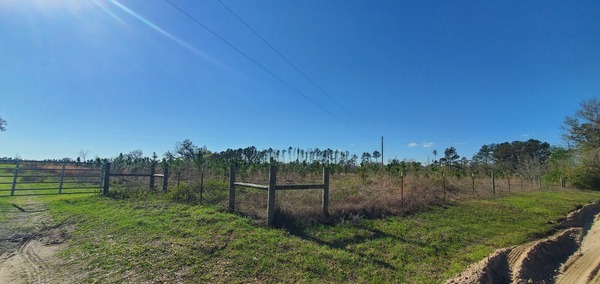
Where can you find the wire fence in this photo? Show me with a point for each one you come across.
(352, 195)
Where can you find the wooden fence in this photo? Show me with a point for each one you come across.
(152, 175)
(272, 187)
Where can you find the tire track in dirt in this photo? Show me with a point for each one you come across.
(542, 259)
(26, 243)
(34, 266)
(583, 266)
(572, 255)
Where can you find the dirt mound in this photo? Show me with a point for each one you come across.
(583, 217)
(584, 265)
(492, 269)
(541, 260)
(567, 254)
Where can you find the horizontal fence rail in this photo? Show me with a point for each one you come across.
(107, 174)
(273, 187)
(251, 185)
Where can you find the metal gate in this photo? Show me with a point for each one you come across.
(21, 178)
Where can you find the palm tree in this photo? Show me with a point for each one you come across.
(366, 157)
(376, 155)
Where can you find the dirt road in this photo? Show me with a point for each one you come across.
(583, 266)
(28, 242)
(572, 255)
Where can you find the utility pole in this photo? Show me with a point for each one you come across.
(382, 151)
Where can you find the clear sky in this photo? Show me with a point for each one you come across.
(115, 76)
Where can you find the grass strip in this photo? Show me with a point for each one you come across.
(152, 239)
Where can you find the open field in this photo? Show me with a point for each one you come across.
(152, 239)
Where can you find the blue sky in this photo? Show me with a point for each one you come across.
(114, 76)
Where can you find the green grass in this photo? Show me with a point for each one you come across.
(152, 239)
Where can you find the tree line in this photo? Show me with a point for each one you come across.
(578, 161)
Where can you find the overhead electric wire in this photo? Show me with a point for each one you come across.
(285, 59)
(256, 62)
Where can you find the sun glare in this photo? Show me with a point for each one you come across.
(47, 6)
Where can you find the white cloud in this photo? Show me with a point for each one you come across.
(528, 135)
(423, 145)
(460, 143)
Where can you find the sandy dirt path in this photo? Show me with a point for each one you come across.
(583, 266)
(28, 242)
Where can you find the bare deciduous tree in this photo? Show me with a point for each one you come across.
(83, 154)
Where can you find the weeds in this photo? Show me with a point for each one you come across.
(156, 240)
(367, 194)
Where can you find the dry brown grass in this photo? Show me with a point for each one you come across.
(353, 196)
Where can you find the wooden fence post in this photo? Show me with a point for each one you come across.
(444, 184)
(152, 172)
(165, 179)
(14, 184)
(473, 183)
(325, 192)
(271, 196)
(522, 183)
(201, 184)
(231, 188)
(493, 183)
(106, 178)
(62, 178)
(508, 177)
(531, 182)
(402, 187)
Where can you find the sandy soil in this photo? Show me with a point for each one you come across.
(572, 255)
(28, 242)
(583, 266)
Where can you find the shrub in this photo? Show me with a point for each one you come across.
(585, 178)
(185, 193)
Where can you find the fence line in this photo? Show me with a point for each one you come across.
(152, 175)
(273, 187)
(26, 172)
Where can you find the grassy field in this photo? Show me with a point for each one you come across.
(152, 240)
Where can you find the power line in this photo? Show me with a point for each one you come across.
(285, 58)
(256, 62)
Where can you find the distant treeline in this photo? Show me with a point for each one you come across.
(529, 159)
(579, 163)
